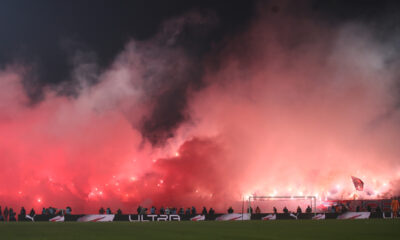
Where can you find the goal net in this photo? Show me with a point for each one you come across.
(266, 204)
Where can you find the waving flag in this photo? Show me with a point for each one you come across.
(358, 183)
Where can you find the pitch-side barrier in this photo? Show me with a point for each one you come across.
(214, 217)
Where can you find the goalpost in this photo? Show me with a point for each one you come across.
(290, 202)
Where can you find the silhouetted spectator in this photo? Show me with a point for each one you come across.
(250, 210)
(51, 211)
(119, 212)
(357, 208)
(68, 210)
(193, 211)
(285, 210)
(181, 211)
(333, 210)
(258, 210)
(378, 210)
(108, 211)
(204, 212)
(230, 210)
(32, 213)
(162, 210)
(44, 211)
(139, 209)
(22, 214)
(101, 211)
(275, 210)
(167, 211)
(1, 215)
(299, 211)
(344, 208)
(12, 215)
(211, 212)
(308, 209)
(187, 213)
(6, 213)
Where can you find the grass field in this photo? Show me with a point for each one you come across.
(306, 229)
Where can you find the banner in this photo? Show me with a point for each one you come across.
(154, 217)
(234, 217)
(319, 217)
(269, 217)
(97, 218)
(30, 218)
(198, 218)
(57, 219)
(354, 215)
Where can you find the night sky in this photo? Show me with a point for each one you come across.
(164, 101)
(43, 33)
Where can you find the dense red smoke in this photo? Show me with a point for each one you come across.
(291, 108)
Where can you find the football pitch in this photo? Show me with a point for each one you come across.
(280, 229)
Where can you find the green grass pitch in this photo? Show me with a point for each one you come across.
(283, 229)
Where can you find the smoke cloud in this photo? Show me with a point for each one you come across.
(290, 106)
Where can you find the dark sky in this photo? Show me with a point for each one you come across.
(44, 33)
(34, 31)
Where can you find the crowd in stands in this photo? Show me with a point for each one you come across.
(8, 214)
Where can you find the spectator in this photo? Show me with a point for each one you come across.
(299, 211)
(22, 213)
(193, 211)
(1, 215)
(6, 212)
(60, 212)
(211, 211)
(108, 211)
(187, 213)
(204, 212)
(285, 210)
(12, 215)
(143, 211)
(101, 211)
(119, 212)
(51, 211)
(139, 210)
(378, 210)
(167, 211)
(258, 210)
(344, 208)
(181, 211)
(275, 210)
(68, 210)
(250, 210)
(153, 210)
(32, 213)
(357, 208)
(230, 210)
(333, 210)
(308, 209)
(44, 211)
(162, 210)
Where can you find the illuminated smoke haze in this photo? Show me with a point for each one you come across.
(290, 106)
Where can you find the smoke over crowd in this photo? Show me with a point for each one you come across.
(291, 105)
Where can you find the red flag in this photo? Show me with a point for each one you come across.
(358, 183)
